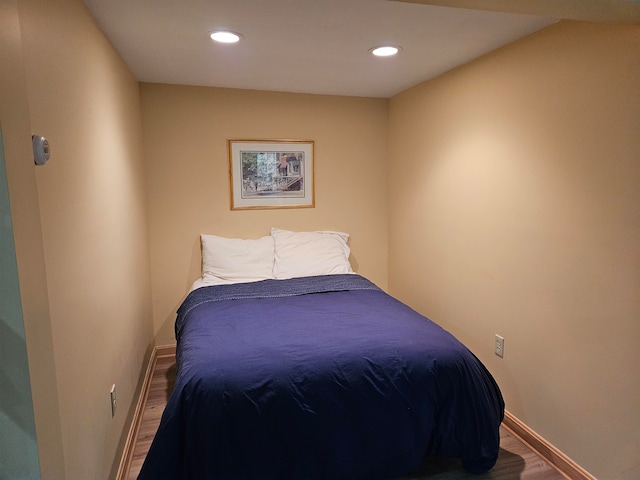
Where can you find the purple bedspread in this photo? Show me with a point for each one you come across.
(318, 378)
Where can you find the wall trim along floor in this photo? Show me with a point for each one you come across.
(127, 455)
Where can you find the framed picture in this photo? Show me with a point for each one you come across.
(271, 174)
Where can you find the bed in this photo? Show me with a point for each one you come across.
(318, 377)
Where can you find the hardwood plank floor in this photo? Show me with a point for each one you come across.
(515, 460)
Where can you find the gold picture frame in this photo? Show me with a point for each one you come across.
(267, 174)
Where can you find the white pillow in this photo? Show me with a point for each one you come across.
(236, 260)
(306, 254)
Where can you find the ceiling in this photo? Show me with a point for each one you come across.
(315, 46)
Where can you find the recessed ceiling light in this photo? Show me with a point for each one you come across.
(223, 36)
(385, 51)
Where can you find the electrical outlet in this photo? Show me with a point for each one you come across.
(499, 346)
(113, 400)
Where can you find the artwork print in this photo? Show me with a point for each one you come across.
(271, 174)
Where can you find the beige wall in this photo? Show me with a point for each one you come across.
(514, 209)
(185, 137)
(88, 301)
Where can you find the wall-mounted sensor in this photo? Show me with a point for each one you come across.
(41, 151)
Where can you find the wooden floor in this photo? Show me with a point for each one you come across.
(515, 460)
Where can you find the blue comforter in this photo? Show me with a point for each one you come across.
(318, 378)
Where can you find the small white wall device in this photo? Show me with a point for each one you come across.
(41, 151)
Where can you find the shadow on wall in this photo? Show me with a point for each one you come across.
(167, 329)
